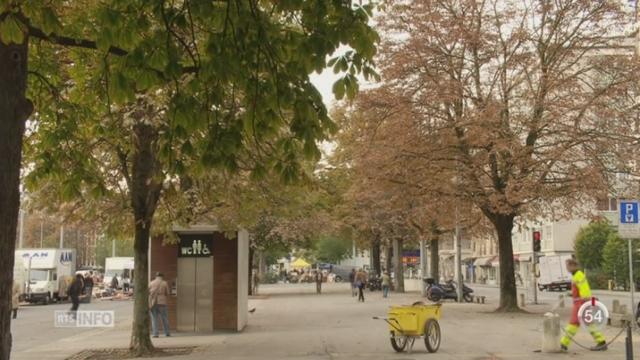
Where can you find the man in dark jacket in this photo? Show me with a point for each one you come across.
(352, 281)
(75, 290)
(318, 281)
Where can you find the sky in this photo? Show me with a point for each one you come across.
(324, 82)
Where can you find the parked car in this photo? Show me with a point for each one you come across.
(342, 272)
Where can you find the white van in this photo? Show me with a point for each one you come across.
(44, 274)
(122, 267)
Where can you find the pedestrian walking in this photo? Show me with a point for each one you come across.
(352, 281)
(114, 284)
(318, 281)
(15, 300)
(386, 284)
(158, 294)
(256, 281)
(581, 293)
(126, 285)
(75, 290)
(361, 282)
(88, 286)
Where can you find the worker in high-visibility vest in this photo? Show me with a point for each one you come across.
(581, 293)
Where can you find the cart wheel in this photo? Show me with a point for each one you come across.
(432, 335)
(468, 298)
(398, 343)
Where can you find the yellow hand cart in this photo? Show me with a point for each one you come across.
(410, 322)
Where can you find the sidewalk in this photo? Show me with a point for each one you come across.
(294, 323)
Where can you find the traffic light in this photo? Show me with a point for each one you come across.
(537, 240)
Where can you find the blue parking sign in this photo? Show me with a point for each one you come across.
(628, 212)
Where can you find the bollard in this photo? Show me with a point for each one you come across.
(561, 301)
(522, 303)
(616, 306)
(551, 333)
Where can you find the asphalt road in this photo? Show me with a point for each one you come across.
(551, 297)
(34, 331)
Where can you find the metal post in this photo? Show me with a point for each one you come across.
(61, 236)
(534, 261)
(113, 247)
(628, 342)
(423, 266)
(41, 233)
(458, 259)
(632, 285)
(29, 276)
(21, 236)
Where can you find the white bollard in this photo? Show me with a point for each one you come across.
(522, 301)
(551, 333)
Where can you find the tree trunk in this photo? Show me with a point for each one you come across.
(434, 258)
(140, 339)
(388, 259)
(375, 255)
(508, 292)
(146, 185)
(14, 111)
(250, 282)
(397, 264)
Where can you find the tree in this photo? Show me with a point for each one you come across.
(515, 101)
(176, 85)
(331, 249)
(590, 242)
(615, 259)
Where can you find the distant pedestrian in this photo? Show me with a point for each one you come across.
(352, 281)
(256, 281)
(15, 300)
(88, 286)
(158, 294)
(318, 281)
(114, 283)
(75, 290)
(126, 285)
(361, 282)
(386, 284)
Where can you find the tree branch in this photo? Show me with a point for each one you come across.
(71, 42)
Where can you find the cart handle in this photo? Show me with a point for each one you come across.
(390, 324)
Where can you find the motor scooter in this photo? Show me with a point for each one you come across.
(448, 290)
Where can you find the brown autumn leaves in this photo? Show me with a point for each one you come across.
(502, 109)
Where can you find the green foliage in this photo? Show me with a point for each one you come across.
(332, 249)
(590, 242)
(11, 30)
(615, 256)
(124, 247)
(598, 279)
(226, 88)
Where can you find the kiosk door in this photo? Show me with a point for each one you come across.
(195, 290)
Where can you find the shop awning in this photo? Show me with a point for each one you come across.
(468, 259)
(300, 264)
(495, 261)
(483, 261)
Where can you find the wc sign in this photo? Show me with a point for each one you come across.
(629, 219)
(195, 245)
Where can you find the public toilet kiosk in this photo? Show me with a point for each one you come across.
(208, 273)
